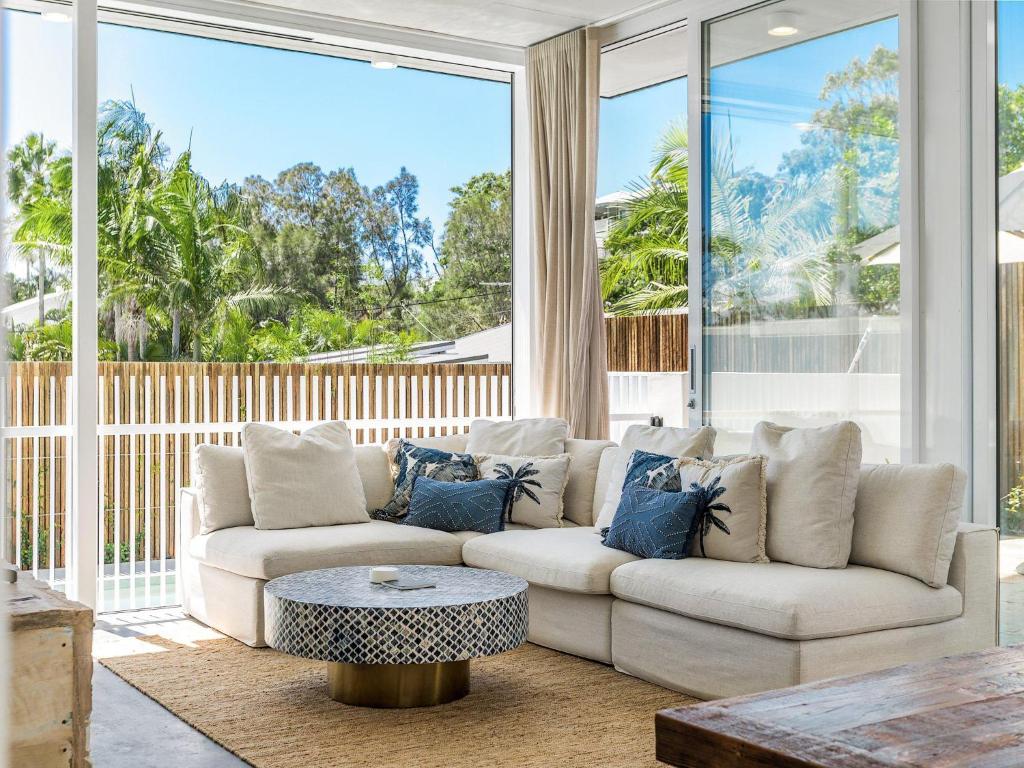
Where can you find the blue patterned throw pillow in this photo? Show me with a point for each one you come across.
(412, 461)
(654, 471)
(477, 506)
(658, 524)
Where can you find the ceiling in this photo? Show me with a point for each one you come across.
(519, 23)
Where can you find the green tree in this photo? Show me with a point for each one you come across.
(208, 269)
(647, 249)
(29, 181)
(1010, 118)
(473, 287)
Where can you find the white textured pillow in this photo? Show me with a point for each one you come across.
(522, 437)
(218, 472)
(298, 481)
(539, 484)
(667, 441)
(812, 484)
(905, 519)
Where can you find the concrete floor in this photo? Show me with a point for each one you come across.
(129, 729)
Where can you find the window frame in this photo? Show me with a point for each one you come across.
(274, 28)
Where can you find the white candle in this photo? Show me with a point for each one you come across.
(381, 573)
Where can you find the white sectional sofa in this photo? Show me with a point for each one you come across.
(710, 628)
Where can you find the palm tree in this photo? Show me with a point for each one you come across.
(29, 172)
(646, 266)
(521, 480)
(778, 255)
(207, 253)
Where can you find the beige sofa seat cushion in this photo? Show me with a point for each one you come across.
(465, 536)
(570, 559)
(258, 554)
(905, 518)
(783, 600)
(583, 479)
(812, 484)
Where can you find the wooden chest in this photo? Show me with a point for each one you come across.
(51, 676)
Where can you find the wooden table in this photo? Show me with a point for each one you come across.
(959, 711)
(51, 676)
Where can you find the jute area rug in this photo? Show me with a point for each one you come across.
(531, 707)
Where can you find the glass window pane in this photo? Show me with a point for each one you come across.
(641, 224)
(35, 243)
(801, 256)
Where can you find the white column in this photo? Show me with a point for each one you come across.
(85, 514)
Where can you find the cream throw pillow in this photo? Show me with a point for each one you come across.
(812, 485)
(905, 519)
(667, 441)
(522, 437)
(298, 481)
(746, 494)
(218, 472)
(537, 489)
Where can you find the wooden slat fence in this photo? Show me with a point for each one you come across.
(152, 414)
(648, 343)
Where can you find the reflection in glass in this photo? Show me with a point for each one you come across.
(801, 256)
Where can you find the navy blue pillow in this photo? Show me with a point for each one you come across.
(445, 506)
(652, 470)
(650, 523)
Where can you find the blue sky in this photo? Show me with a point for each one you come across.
(250, 110)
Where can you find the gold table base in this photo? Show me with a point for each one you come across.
(393, 686)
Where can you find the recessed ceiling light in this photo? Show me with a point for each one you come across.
(383, 62)
(60, 17)
(782, 24)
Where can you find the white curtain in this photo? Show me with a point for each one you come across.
(572, 367)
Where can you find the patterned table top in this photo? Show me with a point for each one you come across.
(336, 614)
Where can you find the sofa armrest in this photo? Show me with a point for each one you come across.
(188, 515)
(974, 572)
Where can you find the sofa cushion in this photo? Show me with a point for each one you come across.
(269, 554)
(409, 461)
(669, 441)
(746, 492)
(522, 437)
(304, 480)
(583, 479)
(570, 559)
(218, 471)
(812, 484)
(537, 486)
(375, 472)
(783, 600)
(905, 518)
(458, 507)
(653, 523)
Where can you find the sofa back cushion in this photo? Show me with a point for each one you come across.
(669, 441)
(522, 437)
(218, 472)
(583, 483)
(906, 517)
(375, 472)
(298, 481)
(812, 484)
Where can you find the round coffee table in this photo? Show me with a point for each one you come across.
(391, 648)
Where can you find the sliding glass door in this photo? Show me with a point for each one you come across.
(801, 240)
